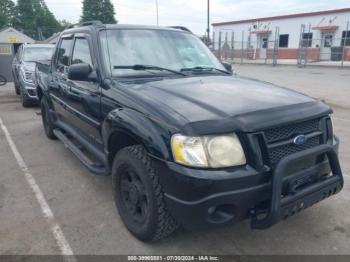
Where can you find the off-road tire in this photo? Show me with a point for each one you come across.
(158, 223)
(46, 118)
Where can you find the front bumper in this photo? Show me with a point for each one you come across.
(204, 198)
(30, 90)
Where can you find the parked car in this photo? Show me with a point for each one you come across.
(23, 69)
(186, 141)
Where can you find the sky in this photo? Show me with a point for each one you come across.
(193, 13)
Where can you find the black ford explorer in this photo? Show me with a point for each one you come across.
(186, 141)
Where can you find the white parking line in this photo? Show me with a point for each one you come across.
(56, 230)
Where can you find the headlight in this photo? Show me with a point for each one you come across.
(208, 151)
(28, 77)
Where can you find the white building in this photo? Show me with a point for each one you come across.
(323, 33)
(10, 40)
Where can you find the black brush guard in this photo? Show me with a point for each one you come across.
(292, 203)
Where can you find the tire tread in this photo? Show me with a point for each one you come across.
(166, 224)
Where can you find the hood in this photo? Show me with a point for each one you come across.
(214, 98)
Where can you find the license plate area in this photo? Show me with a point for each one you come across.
(290, 206)
(297, 184)
(292, 184)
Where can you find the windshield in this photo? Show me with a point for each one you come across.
(163, 48)
(35, 54)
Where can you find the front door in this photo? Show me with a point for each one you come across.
(84, 99)
(58, 86)
(327, 42)
(263, 47)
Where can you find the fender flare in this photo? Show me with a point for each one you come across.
(146, 131)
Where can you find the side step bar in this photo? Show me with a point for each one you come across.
(96, 168)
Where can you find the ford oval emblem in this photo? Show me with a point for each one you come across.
(300, 140)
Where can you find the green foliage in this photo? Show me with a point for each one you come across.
(64, 23)
(34, 18)
(7, 8)
(102, 10)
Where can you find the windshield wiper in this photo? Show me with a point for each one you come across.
(204, 68)
(149, 67)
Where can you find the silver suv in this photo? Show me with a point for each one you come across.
(23, 70)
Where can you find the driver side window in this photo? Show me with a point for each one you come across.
(64, 51)
(81, 52)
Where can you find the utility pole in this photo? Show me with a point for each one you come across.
(208, 23)
(157, 12)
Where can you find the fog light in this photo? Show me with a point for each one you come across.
(221, 214)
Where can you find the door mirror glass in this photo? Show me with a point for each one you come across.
(79, 72)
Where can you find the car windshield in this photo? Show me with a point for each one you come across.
(168, 49)
(35, 54)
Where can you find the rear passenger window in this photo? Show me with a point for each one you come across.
(64, 51)
(81, 52)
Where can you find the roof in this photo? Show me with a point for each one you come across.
(128, 26)
(124, 26)
(11, 35)
(326, 12)
(326, 27)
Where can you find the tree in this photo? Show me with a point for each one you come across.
(64, 23)
(102, 10)
(7, 8)
(35, 19)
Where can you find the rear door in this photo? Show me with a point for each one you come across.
(84, 100)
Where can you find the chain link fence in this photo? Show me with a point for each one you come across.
(271, 47)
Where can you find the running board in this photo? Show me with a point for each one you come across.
(94, 167)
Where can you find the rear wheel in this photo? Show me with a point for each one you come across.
(139, 196)
(46, 118)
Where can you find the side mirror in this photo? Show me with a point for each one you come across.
(79, 72)
(228, 67)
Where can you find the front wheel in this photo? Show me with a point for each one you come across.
(139, 196)
(25, 100)
(47, 120)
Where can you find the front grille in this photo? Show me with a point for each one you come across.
(286, 132)
(276, 154)
(279, 140)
